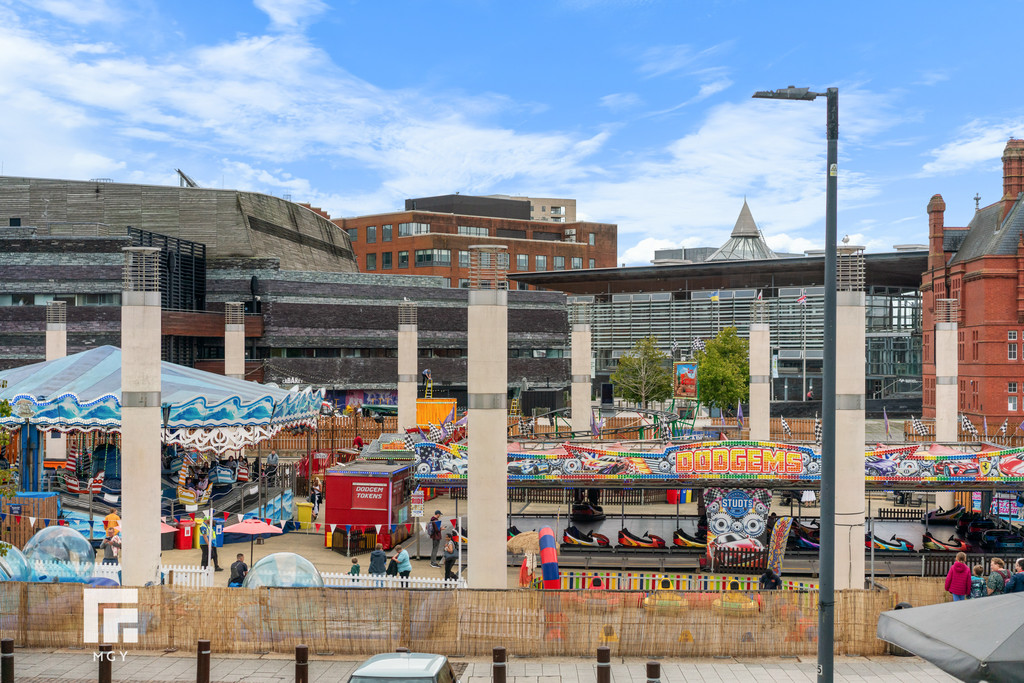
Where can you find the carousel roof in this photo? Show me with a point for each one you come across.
(83, 391)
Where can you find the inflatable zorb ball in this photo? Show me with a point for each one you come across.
(283, 570)
(60, 553)
(13, 565)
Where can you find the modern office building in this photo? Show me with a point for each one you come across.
(551, 209)
(435, 240)
(980, 269)
(686, 301)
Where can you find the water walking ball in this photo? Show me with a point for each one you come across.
(283, 570)
(13, 565)
(60, 552)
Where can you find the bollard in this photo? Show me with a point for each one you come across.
(401, 649)
(203, 661)
(7, 660)
(106, 654)
(653, 672)
(301, 664)
(604, 664)
(498, 659)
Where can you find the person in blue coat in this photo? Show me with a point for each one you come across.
(1016, 582)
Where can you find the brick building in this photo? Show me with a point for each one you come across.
(436, 240)
(981, 267)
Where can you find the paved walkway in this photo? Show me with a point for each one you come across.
(38, 665)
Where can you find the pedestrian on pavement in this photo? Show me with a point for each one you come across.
(207, 547)
(354, 571)
(111, 546)
(451, 554)
(316, 496)
(958, 579)
(238, 571)
(434, 532)
(401, 557)
(978, 582)
(1016, 582)
(378, 560)
(997, 577)
(272, 468)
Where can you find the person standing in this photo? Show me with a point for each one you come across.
(998, 576)
(272, 468)
(1016, 582)
(434, 532)
(355, 569)
(978, 582)
(111, 546)
(451, 554)
(378, 560)
(207, 547)
(111, 520)
(316, 496)
(958, 579)
(238, 571)
(769, 581)
(401, 558)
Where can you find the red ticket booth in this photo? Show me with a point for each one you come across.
(365, 494)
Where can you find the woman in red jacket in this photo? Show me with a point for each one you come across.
(958, 580)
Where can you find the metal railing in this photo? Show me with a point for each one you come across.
(141, 269)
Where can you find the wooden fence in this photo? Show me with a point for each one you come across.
(470, 622)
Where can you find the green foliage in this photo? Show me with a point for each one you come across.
(643, 374)
(723, 370)
(8, 482)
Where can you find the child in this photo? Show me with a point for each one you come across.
(978, 589)
(354, 571)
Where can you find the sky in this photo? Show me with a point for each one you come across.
(641, 110)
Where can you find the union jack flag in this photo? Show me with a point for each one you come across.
(802, 299)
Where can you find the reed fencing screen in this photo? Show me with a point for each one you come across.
(468, 622)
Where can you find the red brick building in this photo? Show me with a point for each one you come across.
(981, 266)
(421, 242)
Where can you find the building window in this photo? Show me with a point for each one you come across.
(407, 229)
(463, 259)
(433, 257)
(522, 261)
(593, 263)
(463, 283)
(371, 234)
(591, 238)
(448, 282)
(577, 263)
(559, 263)
(403, 259)
(385, 233)
(1011, 388)
(523, 285)
(557, 211)
(543, 209)
(1011, 403)
(353, 234)
(474, 232)
(371, 262)
(1011, 352)
(540, 262)
(385, 260)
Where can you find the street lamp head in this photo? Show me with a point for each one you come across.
(790, 93)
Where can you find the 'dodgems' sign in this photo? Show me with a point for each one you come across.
(741, 460)
(369, 496)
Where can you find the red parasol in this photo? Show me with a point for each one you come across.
(252, 528)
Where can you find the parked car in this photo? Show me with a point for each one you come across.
(404, 667)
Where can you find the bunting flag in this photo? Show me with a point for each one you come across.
(192, 515)
(32, 521)
(919, 427)
(408, 528)
(1002, 430)
(318, 526)
(885, 416)
(423, 527)
(241, 517)
(348, 528)
(226, 515)
(785, 427)
(379, 526)
(331, 527)
(817, 430)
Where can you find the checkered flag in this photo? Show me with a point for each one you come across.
(436, 435)
(410, 445)
(1002, 430)
(967, 426)
(817, 430)
(785, 427)
(665, 430)
(525, 426)
(919, 427)
(695, 346)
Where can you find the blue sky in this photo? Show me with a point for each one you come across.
(639, 109)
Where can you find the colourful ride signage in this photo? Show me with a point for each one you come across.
(727, 459)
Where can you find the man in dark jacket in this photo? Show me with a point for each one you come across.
(238, 571)
(378, 560)
(434, 532)
(1016, 582)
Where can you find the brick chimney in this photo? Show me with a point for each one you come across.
(1013, 174)
(936, 218)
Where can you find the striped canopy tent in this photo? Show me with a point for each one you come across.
(201, 410)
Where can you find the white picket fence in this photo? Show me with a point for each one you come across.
(176, 575)
(338, 580)
(187, 575)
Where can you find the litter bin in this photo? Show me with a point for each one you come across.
(197, 535)
(218, 533)
(304, 513)
(167, 539)
(896, 650)
(185, 529)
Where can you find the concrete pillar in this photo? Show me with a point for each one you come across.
(580, 369)
(946, 408)
(760, 373)
(56, 347)
(140, 417)
(487, 384)
(849, 503)
(234, 340)
(408, 349)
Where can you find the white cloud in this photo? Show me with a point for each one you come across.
(979, 142)
(290, 13)
(80, 12)
(643, 251)
(933, 77)
(660, 60)
(619, 101)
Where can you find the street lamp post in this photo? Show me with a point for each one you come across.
(826, 593)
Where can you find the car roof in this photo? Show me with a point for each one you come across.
(401, 665)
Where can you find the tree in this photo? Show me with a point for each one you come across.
(7, 479)
(643, 374)
(723, 370)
